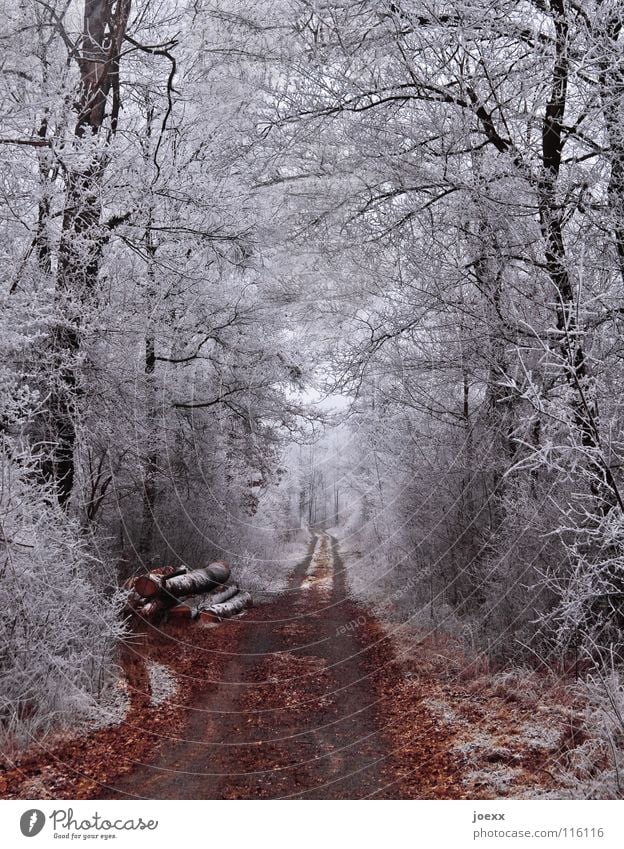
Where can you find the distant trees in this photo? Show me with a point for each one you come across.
(466, 176)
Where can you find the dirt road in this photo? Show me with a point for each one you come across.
(296, 714)
(303, 697)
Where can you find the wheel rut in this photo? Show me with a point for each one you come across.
(296, 714)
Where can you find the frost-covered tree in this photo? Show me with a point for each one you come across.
(148, 371)
(459, 164)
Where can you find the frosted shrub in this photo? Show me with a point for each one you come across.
(599, 764)
(58, 610)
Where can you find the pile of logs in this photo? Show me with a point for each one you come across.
(157, 595)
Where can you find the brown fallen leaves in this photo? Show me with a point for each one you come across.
(82, 768)
(450, 732)
(460, 733)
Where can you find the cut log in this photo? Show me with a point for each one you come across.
(217, 612)
(149, 586)
(219, 596)
(198, 581)
(170, 588)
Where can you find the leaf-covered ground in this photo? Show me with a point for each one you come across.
(305, 697)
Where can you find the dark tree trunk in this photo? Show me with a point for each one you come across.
(81, 241)
(611, 87)
(150, 460)
(603, 485)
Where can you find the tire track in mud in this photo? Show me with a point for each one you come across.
(296, 714)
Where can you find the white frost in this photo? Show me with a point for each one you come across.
(162, 683)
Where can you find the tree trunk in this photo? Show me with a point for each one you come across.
(611, 87)
(585, 411)
(150, 459)
(104, 28)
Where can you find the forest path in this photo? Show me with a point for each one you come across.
(310, 696)
(296, 713)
